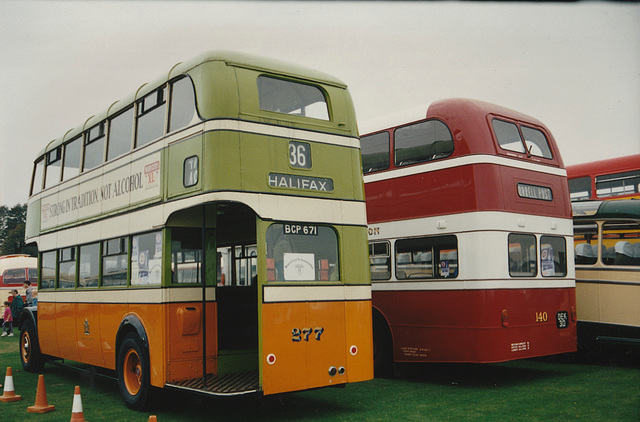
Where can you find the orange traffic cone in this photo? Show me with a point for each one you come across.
(41, 405)
(9, 394)
(76, 410)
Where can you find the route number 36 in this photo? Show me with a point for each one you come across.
(300, 155)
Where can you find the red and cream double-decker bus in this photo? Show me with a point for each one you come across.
(613, 178)
(470, 237)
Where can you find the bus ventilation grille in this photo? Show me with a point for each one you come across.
(223, 385)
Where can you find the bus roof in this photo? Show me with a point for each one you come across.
(622, 208)
(470, 119)
(231, 58)
(608, 166)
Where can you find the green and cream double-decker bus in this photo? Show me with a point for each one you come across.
(207, 233)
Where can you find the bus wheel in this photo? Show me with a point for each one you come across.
(382, 354)
(133, 372)
(30, 355)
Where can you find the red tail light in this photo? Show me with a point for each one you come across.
(505, 318)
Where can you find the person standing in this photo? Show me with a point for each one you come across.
(29, 292)
(7, 325)
(16, 306)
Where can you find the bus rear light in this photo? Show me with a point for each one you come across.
(505, 318)
(341, 370)
(574, 315)
(271, 269)
(271, 359)
(353, 350)
(333, 371)
(324, 270)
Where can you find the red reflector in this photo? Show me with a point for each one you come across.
(574, 316)
(505, 318)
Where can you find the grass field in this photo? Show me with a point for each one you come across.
(532, 390)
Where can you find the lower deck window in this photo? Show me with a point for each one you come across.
(146, 259)
(553, 256)
(302, 252)
(427, 257)
(522, 255)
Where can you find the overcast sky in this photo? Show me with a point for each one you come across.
(576, 67)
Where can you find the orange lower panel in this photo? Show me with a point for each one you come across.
(303, 343)
(86, 333)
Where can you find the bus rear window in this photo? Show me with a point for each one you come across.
(294, 98)
(522, 139)
(302, 252)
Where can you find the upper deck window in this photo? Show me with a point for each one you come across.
(120, 133)
(72, 153)
(523, 139)
(38, 174)
(183, 105)
(151, 116)
(54, 167)
(618, 184)
(288, 97)
(94, 146)
(375, 152)
(424, 141)
(580, 188)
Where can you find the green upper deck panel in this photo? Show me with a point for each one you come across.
(225, 87)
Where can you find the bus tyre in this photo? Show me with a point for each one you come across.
(382, 354)
(30, 355)
(133, 372)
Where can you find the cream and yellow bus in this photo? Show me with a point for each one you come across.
(607, 257)
(207, 233)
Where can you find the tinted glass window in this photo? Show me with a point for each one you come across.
(71, 166)
(421, 142)
(289, 97)
(151, 111)
(94, 147)
(120, 134)
(302, 252)
(580, 188)
(183, 105)
(375, 152)
(507, 135)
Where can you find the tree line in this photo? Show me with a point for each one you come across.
(12, 225)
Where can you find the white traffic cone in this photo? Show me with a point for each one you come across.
(76, 409)
(9, 393)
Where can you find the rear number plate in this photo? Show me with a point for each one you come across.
(562, 319)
